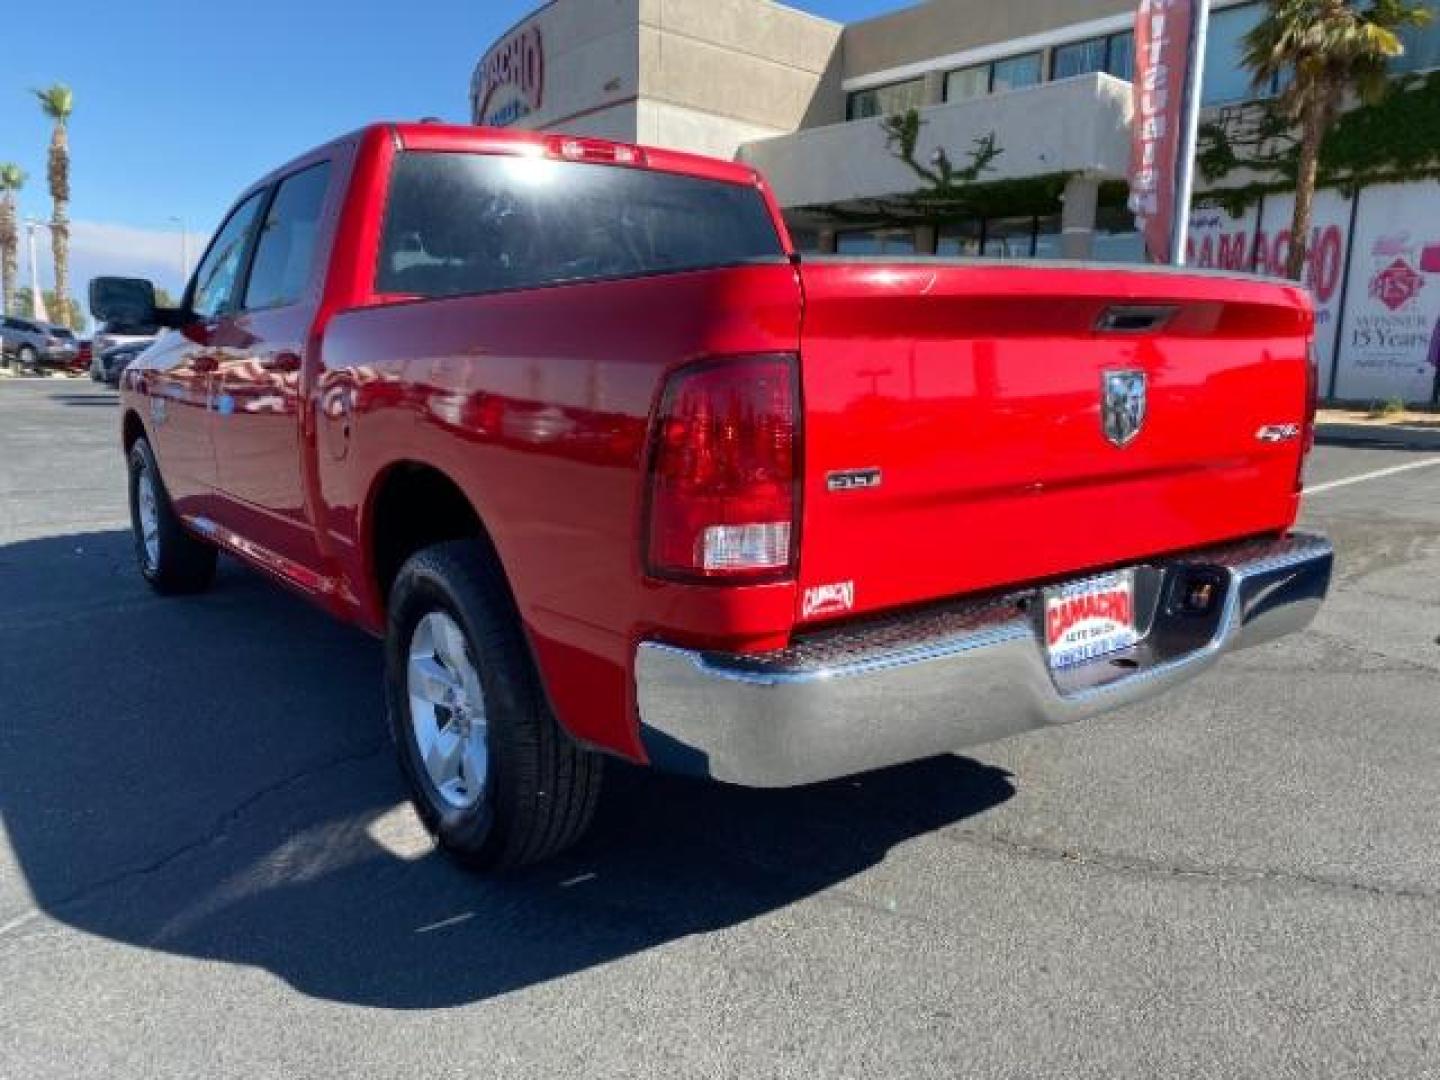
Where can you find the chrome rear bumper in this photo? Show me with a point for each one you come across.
(878, 693)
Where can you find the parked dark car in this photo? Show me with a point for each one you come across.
(107, 367)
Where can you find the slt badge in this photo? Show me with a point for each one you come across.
(1122, 405)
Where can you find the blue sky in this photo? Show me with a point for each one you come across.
(179, 105)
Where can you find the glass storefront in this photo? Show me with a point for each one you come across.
(875, 242)
(1022, 237)
(962, 240)
(1010, 238)
(1048, 236)
(1116, 239)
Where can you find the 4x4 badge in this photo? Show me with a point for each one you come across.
(1122, 405)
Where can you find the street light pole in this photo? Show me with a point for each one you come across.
(37, 298)
(1180, 228)
(184, 250)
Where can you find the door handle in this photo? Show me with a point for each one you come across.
(285, 362)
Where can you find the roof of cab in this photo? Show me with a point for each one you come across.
(488, 140)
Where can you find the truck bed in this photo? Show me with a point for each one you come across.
(955, 434)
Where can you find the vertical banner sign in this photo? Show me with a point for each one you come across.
(1162, 62)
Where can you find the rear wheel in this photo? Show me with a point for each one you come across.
(493, 776)
(27, 357)
(171, 559)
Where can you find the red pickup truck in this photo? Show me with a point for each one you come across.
(615, 471)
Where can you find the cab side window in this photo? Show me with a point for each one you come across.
(219, 271)
(285, 253)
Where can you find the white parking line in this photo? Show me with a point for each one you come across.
(1376, 475)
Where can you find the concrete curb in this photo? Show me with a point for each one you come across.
(1400, 436)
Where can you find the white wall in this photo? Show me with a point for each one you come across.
(1077, 125)
(680, 128)
(697, 75)
(758, 63)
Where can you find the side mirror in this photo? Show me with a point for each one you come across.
(123, 301)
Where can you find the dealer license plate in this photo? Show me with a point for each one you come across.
(1090, 618)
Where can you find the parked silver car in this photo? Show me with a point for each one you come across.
(30, 344)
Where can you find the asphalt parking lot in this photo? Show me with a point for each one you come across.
(207, 869)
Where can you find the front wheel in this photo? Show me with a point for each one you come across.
(491, 773)
(27, 357)
(171, 559)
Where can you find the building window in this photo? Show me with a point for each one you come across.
(875, 242)
(1078, 58)
(967, 83)
(1012, 73)
(1015, 73)
(1113, 54)
(885, 100)
(1422, 48)
(1227, 79)
(1120, 61)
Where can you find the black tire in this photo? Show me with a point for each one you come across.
(541, 787)
(183, 563)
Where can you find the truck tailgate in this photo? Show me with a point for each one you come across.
(956, 439)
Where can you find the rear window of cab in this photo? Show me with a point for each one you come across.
(462, 223)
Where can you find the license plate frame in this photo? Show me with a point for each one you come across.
(1089, 619)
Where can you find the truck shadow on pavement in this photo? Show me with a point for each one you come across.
(210, 777)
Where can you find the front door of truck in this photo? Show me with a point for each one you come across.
(259, 395)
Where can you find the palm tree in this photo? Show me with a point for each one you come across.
(12, 179)
(1321, 50)
(57, 102)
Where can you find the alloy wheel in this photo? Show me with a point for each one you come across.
(447, 710)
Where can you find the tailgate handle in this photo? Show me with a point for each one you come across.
(1132, 319)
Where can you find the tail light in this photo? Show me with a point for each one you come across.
(1312, 405)
(724, 475)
